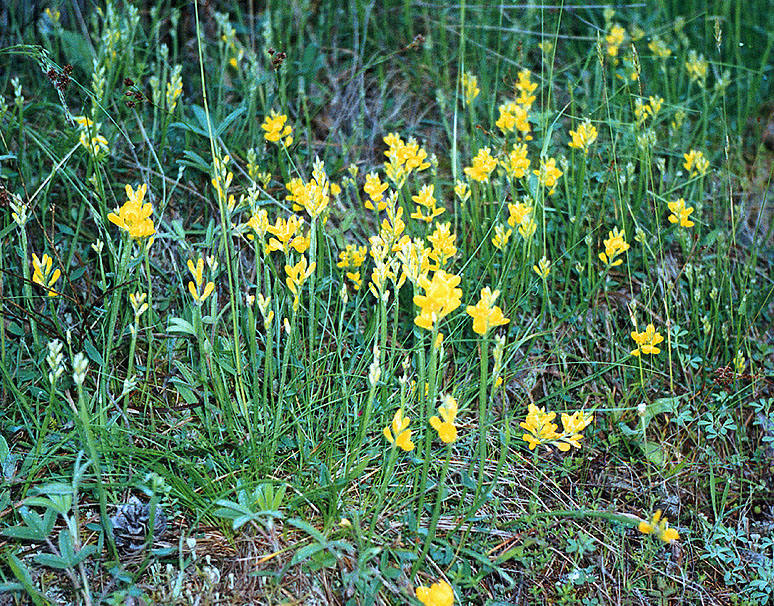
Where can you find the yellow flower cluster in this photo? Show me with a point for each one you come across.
(516, 163)
(287, 235)
(470, 88)
(524, 89)
(483, 165)
(375, 188)
(695, 163)
(514, 116)
(659, 48)
(485, 313)
(277, 129)
(43, 275)
(438, 594)
(680, 213)
(520, 214)
(440, 299)
(614, 39)
(501, 237)
(444, 425)
(583, 136)
(548, 174)
(646, 341)
(697, 67)
(614, 245)
(642, 110)
(426, 199)
(404, 158)
(296, 276)
(444, 245)
(352, 258)
(400, 435)
(659, 527)
(90, 138)
(197, 271)
(134, 216)
(542, 430)
(314, 196)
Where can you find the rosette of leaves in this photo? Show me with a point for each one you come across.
(132, 522)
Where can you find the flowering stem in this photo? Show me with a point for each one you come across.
(28, 286)
(426, 408)
(436, 512)
(114, 305)
(482, 413)
(387, 475)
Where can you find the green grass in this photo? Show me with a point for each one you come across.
(249, 414)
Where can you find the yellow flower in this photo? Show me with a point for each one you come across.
(425, 198)
(400, 435)
(614, 246)
(438, 594)
(659, 48)
(446, 428)
(485, 313)
(501, 237)
(443, 245)
(646, 341)
(516, 163)
(462, 190)
(614, 39)
(197, 271)
(258, 223)
(469, 87)
(659, 527)
(548, 174)
(43, 275)
(352, 256)
(539, 426)
(375, 190)
(518, 213)
(134, 216)
(542, 430)
(285, 231)
(525, 87)
(583, 136)
(483, 165)
(680, 213)
(276, 129)
(440, 299)
(695, 163)
(296, 276)
(543, 267)
(137, 299)
(697, 66)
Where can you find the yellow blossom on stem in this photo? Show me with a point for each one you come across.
(400, 435)
(548, 174)
(438, 594)
(518, 213)
(659, 48)
(614, 246)
(485, 313)
(525, 87)
(542, 430)
(375, 190)
(134, 216)
(501, 237)
(614, 39)
(483, 165)
(680, 213)
(470, 88)
(695, 163)
(462, 191)
(443, 242)
(258, 223)
(446, 429)
(137, 299)
(646, 341)
(583, 136)
(276, 129)
(426, 199)
(296, 276)
(659, 527)
(697, 66)
(440, 299)
(43, 275)
(197, 271)
(543, 268)
(516, 163)
(286, 231)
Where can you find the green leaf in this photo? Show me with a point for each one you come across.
(52, 561)
(229, 119)
(653, 452)
(23, 576)
(306, 552)
(93, 353)
(180, 326)
(308, 529)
